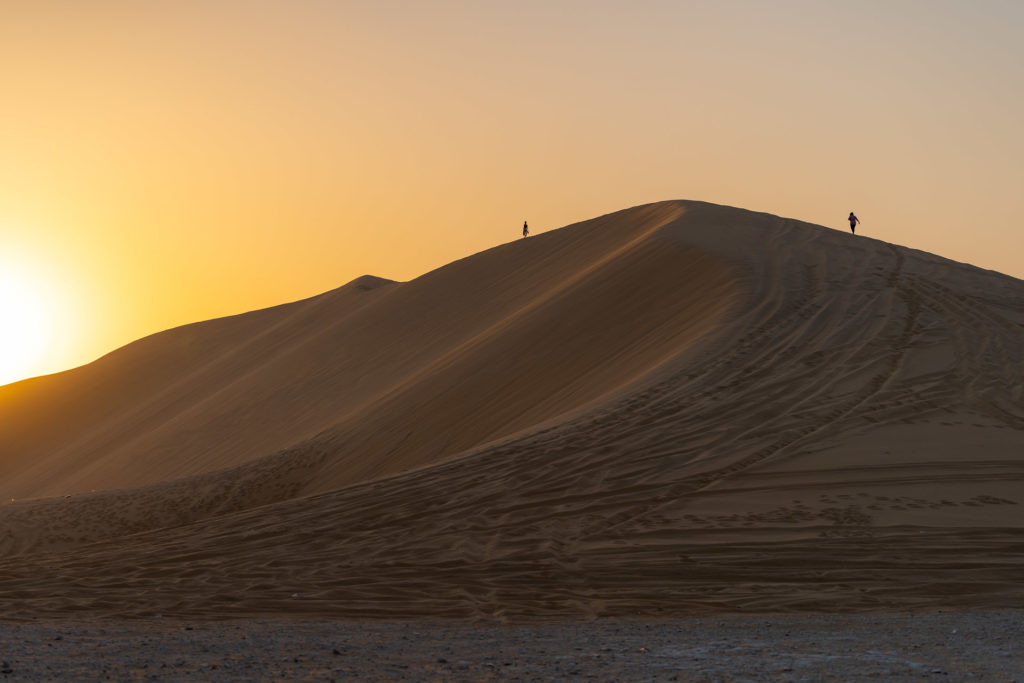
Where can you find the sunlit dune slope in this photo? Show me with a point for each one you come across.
(679, 407)
(394, 375)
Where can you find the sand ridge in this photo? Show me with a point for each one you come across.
(371, 357)
(679, 407)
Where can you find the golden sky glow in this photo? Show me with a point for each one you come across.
(166, 162)
(26, 318)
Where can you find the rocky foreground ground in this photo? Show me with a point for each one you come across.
(944, 646)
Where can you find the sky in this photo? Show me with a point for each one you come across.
(168, 162)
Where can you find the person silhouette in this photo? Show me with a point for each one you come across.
(853, 223)
(526, 230)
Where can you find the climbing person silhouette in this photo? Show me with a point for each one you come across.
(526, 230)
(853, 223)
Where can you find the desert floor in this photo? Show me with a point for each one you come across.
(952, 645)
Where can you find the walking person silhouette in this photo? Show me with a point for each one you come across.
(853, 223)
(526, 230)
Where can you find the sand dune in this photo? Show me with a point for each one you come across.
(676, 407)
(476, 350)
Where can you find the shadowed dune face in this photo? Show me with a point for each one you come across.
(679, 407)
(184, 401)
(395, 375)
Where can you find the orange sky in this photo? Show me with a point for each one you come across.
(166, 162)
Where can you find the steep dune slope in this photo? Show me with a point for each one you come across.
(771, 416)
(192, 399)
(386, 376)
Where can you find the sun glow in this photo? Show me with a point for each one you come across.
(26, 323)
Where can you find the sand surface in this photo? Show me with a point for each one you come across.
(675, 409)
(958, 646)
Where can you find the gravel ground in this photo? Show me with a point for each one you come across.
(943, 646)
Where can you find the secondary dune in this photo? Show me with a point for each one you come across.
(676, 407)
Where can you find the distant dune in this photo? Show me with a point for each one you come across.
(677, 407)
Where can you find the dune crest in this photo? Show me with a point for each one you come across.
(675, 407)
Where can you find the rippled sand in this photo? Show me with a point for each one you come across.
(676, 409)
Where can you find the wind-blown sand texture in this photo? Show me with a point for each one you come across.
(676, 408)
